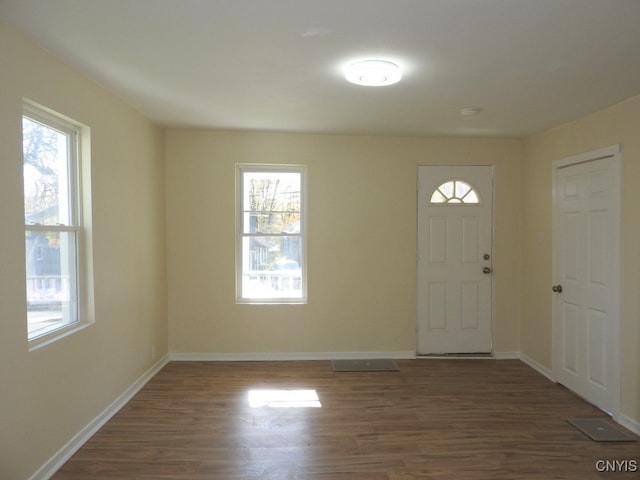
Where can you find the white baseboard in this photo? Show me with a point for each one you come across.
(622, 419)
(629, 423)
(537, 366)
(47, 470)
(506, 355)
(266, 356)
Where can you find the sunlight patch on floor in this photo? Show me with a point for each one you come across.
(280, 398)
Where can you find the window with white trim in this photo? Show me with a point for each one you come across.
(271, 256)
(53, 222)
(455, 191)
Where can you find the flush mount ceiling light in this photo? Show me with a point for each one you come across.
(373, 73)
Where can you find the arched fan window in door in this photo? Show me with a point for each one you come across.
(455, 191)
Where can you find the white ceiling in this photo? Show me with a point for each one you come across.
(276, 64)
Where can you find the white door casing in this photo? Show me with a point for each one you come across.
(586, 272)
(455, 257)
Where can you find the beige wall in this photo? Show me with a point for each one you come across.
(361, 245)
(50, 394)
(618, 124)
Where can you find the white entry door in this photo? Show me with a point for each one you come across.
(585, 287)
(454, 259)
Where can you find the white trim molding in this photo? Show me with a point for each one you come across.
(537, 366)
(275, 356)
(628, 423)
(52, 465)
(506, 355)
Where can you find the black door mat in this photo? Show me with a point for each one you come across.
(600, 430)
(364, 365)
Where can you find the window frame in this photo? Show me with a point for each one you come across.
(241, 169)
(80, 278)
(449, 199)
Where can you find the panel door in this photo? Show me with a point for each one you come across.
(585, 306)
(454, 259)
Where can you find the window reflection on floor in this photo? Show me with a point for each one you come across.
(280, 398)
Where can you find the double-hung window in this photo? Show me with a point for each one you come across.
(271, 256)
(53, 227)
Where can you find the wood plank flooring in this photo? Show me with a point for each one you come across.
(433, 419)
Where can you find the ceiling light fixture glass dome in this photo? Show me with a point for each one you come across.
(373, 73)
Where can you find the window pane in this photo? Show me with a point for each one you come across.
(447, 189)
(471, 197)
(271, 202)
(455, 192)
(271, 267)
(275, 222)
(46, 174)
(461, 189)
(270, 251)
(51, 284)
(438, 197)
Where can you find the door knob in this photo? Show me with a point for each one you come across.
(556, 289)
(486, 270)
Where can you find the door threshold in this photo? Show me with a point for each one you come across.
(479, 355)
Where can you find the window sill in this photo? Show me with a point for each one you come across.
(49, 338)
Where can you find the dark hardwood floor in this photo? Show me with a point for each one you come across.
(433, 419)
